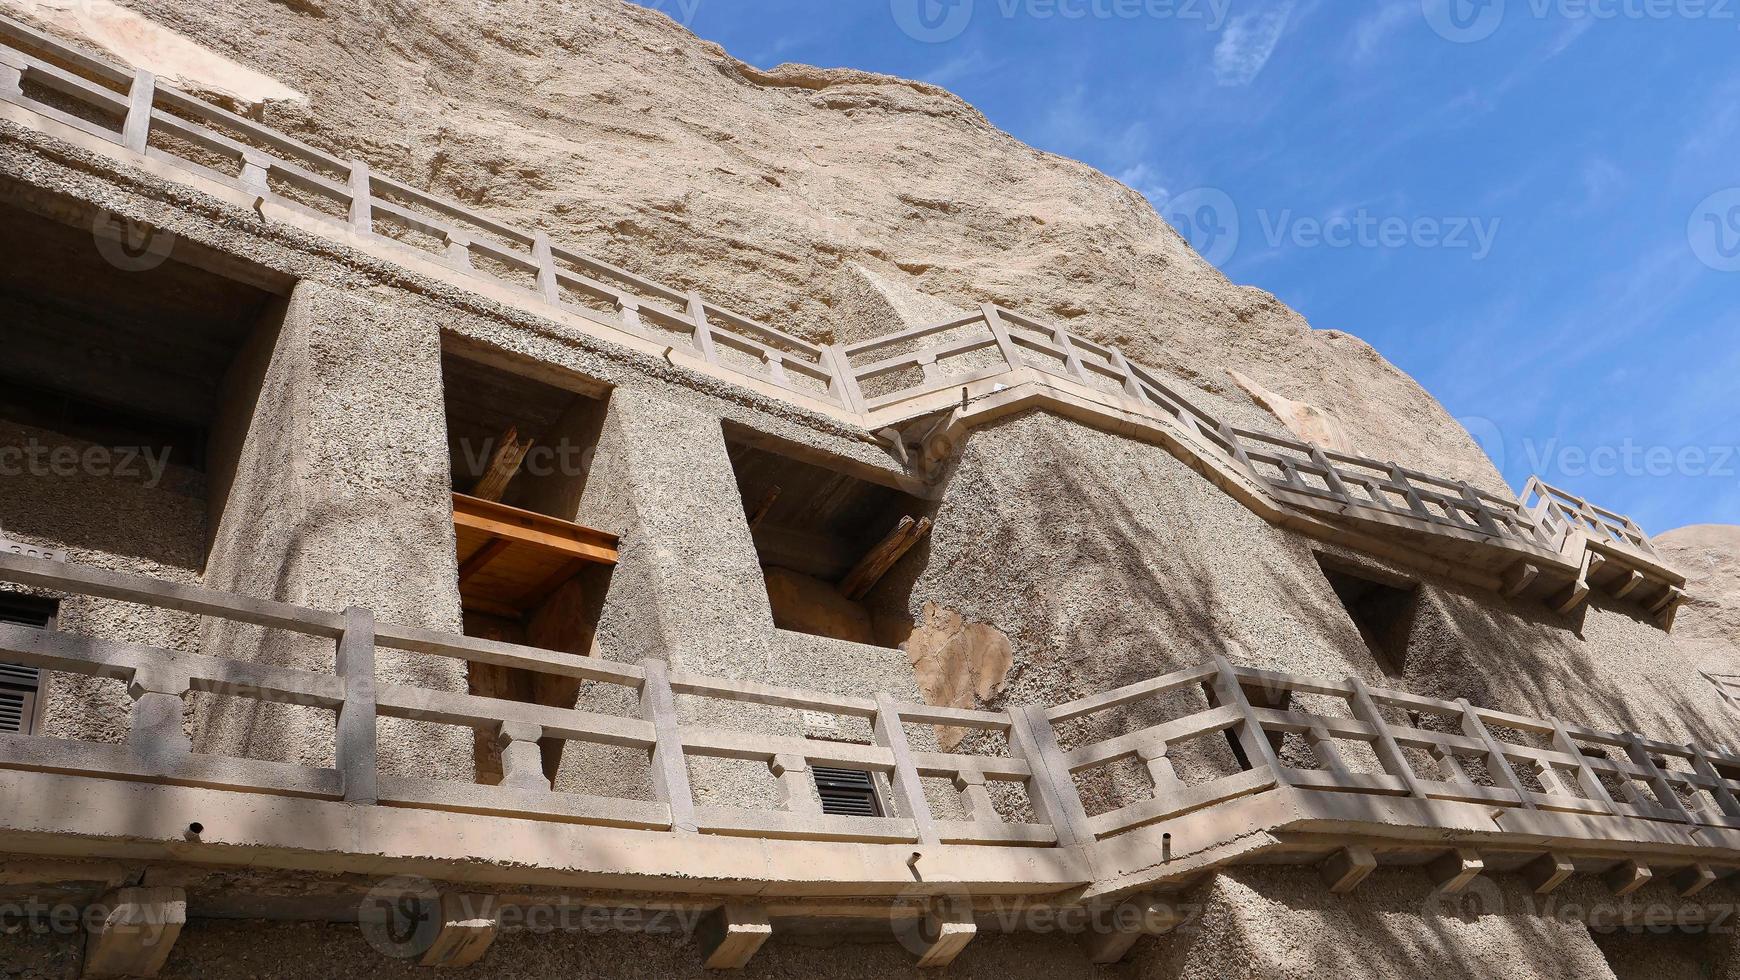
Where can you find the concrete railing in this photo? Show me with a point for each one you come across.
(159, 750)
(874, 383)
(1560, 512)
(1286, 732)
(1374, 741)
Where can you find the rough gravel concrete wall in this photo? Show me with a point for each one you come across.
(268, 951)
(688, 589)
(1107, 561)
(1282, 924)
(340, 497)
(106, 521)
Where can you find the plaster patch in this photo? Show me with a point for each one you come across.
(143, 43)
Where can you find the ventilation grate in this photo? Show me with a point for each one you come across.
(847, 792)
(18, 676)
(14, 712)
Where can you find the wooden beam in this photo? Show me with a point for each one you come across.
(946, 929)
(1692, 880)
(876, 563)
(760, 513)
(1627, 877)
(732, 934)
(1519, 578)
(526, 527)
(137, 931)
(503, 466)
(1346, 868)
(548, 587)
(480, 558)
(1455, 870)
(488, 607)
(468, 927)
(1633, 579)
(1548, 872)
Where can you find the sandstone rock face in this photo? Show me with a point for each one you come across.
(1709, 555)
(1308, 422)
(957, 663)
(176, 60)
(797, 195)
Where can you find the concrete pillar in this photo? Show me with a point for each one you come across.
(687, 587)
(331, 489)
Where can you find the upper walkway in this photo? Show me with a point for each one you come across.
(926, 385)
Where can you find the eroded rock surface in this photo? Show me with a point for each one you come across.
(786, 193)
(957, 663)
(1709, 555)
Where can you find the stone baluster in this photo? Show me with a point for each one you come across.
(362, 211)
(975, 798)
(793, 775)
(522, 761)
(628, 311)
(141, 97)
(1157, 756)
(458, 249)
(157, 732)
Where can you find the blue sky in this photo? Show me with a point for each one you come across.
(1532, 206)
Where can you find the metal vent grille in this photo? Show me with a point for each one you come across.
(19, 684)
(15, 711)
(847, 792)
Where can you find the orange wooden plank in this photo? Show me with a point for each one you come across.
(537, 530)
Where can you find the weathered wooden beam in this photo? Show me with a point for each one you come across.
(731, 935)
(1519, 578)
(1346, 868)
(765, 505)
(481, 558)
(1109, 942)
(137, 931)
(946, 929)
(510, 452)
(524, 526)
(1627, 877)
(468, 927)
(1690, 881)
(1455, 870)
(1548, 872)
(1633, 579)
(876, 563)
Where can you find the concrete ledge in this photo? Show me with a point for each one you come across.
(52, 815)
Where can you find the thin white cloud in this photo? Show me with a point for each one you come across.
(1247, 44)
(1145, 180)
(1600, 180)
(1372, 34)
(968, 65)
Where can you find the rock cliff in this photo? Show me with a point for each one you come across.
(834, 203)
(1709, 555)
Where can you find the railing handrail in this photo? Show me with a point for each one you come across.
(1249, 704)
